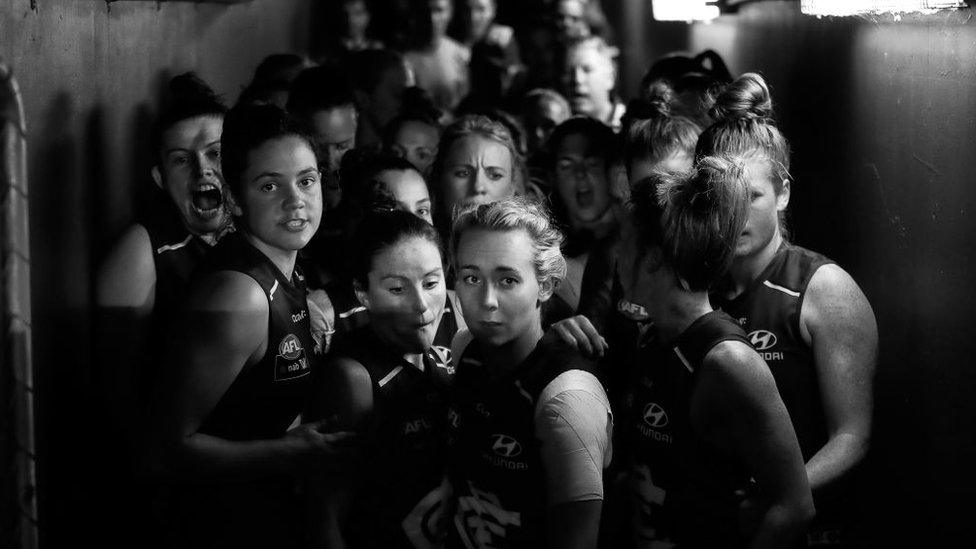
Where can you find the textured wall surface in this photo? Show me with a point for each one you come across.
(881, 114)
(91, 74)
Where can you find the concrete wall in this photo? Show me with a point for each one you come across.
(881, 114)
(91, 73)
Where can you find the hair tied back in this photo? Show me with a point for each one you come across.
(746, 98)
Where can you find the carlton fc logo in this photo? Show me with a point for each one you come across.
(505, 446)
(655, 416)
(762, 340)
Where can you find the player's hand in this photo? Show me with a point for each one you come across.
(579, 333)
(318, 443)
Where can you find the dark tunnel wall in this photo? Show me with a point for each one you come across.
(90, 73)
(881, 114)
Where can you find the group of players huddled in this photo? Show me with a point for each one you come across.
(353, 320)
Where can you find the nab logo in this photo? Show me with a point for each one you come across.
(299, 317)
(762, 340)
(290, 348)
(505, 446)
(655, 416)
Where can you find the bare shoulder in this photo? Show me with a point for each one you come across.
(736, 364)
(228, 292)
(833, 300)
(127, 276)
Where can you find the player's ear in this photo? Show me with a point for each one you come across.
(361, 294)
(546, 289)
(157, 177)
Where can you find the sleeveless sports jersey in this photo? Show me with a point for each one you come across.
(683, 486)
(400, 502)
(769, 310)
(261, 403)
(268, 395)
(176, 254)
(496, 468)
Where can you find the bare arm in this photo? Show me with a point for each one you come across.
(125, 292)
(344, 395)
(837, 322)
(737, 407)
(224, 328)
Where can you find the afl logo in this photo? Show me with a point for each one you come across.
(762, 340)
(290, 348)
(505, 446)
(655, 416)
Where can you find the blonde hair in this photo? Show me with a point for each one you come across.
(517, 213)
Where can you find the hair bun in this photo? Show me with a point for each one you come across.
(746, 98)
(655, 102)
(189, 89)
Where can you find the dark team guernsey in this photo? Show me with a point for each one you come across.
(399, 501)
(496, 464)
(261, 403)
(769, 310)
(268, 395)
(684, 487)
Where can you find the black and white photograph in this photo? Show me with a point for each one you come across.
(487, 274)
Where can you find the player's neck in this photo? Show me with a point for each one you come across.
(513, 353)
(681, 309)
(283, 259)
(745, 270)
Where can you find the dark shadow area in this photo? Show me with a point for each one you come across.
(61, 336)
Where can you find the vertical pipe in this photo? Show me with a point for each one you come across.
(16, 298)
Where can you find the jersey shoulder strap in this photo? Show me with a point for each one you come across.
(704, 334)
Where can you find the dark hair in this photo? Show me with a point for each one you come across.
(368, 191)
(318, 89)
(417, 107)
(381, 230)
(694, 217)
(653, 130)
(246, 128)
(187, 97)
(744, 127)
(695, 81)
(599, 135)
(367, 67)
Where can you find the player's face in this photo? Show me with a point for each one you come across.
(542, 120)
(417, 143)
(482, 13)
(189, 172)
(441, 12)
(357, 17)
(570, 21)
(387, 98)
(588, 79)
(282, 194)
(476, 170)
(406, 294)
(581, 180)
(335, 132)
(765, 205)
(678, 161)
(497, 285)
(409, 190)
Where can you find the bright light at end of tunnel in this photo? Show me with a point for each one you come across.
(684, 10)
(857, 7)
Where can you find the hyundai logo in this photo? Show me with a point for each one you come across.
(505, 446)
(655, 416)
(762, 340)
